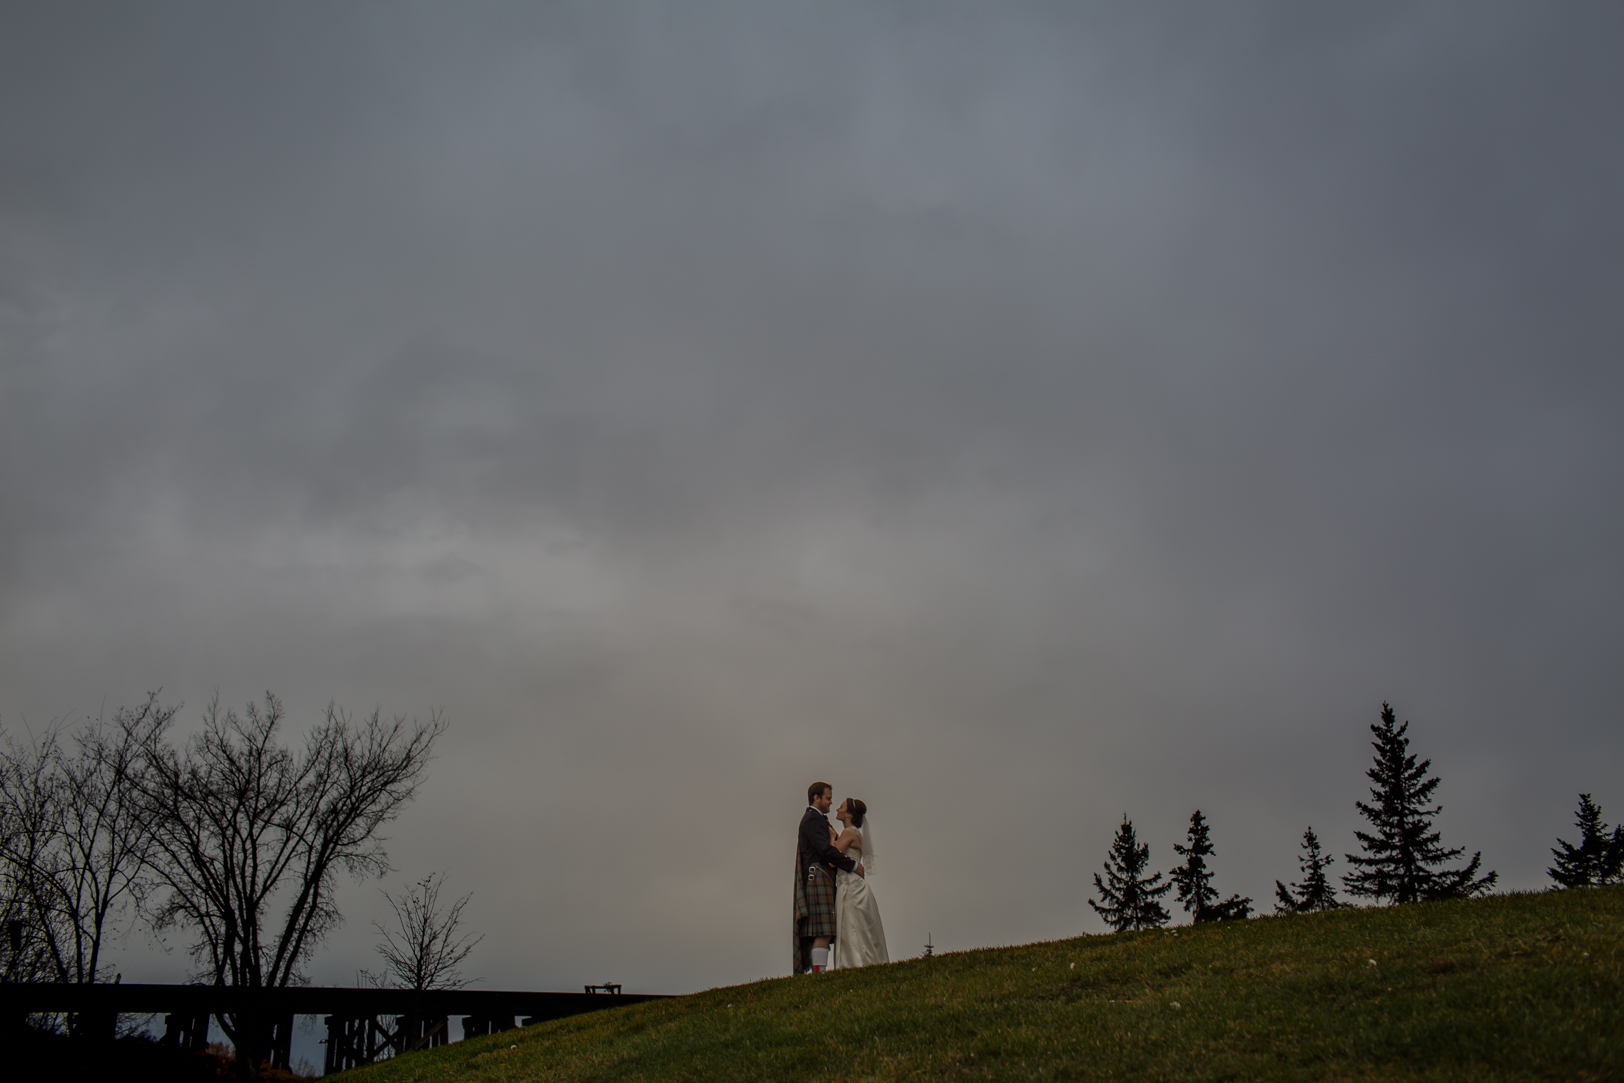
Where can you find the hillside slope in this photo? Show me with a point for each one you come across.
(1510, 987)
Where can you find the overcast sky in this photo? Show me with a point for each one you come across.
(1016, 415)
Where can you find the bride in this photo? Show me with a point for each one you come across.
(859, 936)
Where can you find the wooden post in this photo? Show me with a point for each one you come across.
(346, 1036)
(282, 1042)
(329, 1060)
(95, 1026)
(187, 1031)
(419, 1032)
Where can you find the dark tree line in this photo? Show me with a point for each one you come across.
(231, 836)
(1194, 879)
(1129, 895)
(1598, 860)
(1313, 892)
(1403, 859)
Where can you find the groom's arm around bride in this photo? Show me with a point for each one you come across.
(816, 847)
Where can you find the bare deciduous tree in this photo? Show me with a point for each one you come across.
(74, 844)
(26, 830)
(424, 951)
(248, 836)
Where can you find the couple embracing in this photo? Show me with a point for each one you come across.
(833, 903)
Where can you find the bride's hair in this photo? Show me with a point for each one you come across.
(857, 809)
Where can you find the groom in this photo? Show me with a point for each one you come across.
(815, 862)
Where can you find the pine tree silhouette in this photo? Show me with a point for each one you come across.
(1403, 852)
(1314, 892)
(1194, 879)
(1599, 856)
(1129, 897)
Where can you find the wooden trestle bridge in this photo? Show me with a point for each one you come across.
(362, 1024)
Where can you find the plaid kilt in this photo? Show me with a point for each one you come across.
(814, 912)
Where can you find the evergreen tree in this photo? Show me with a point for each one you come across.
(1598, 857)
(1402, 852)
(1129, 897)
(1194, 879)
(1314, 892)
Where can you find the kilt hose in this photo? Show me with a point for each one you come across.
(814, 912)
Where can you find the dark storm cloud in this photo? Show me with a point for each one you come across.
(1046, 412)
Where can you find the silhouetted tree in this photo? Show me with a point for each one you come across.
(24, 947)
(1194, 879)
(28, 836)
(248, 837)
(423, 951)
(1128, 896)
(1314, 892)
(1599, 857)
(1402, 851)
(73, 844)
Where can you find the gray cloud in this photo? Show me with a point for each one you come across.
(1039, 413)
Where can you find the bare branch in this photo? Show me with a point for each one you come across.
(74, 847)
(424, 951)
(248, 835)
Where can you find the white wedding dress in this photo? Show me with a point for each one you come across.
(859, 936)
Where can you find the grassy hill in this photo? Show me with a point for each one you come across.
(1511, 987)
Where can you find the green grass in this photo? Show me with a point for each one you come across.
(1511, 987)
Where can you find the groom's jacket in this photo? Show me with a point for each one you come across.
(814, 847)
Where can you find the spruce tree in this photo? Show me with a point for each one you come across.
(1314, 892)
(1599, 856)
(1129, 897)
(1194, 879)
(1402, 851)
